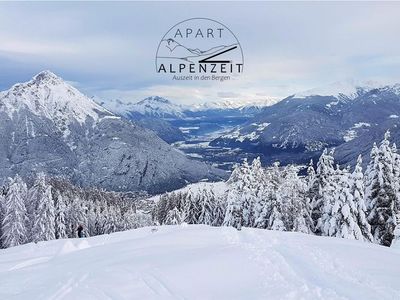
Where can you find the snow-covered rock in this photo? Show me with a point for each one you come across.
(200, 262)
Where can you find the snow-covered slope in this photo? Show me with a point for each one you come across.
(200, 262)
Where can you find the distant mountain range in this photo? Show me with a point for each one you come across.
(166, 117)
(48, 125)
(348, 116)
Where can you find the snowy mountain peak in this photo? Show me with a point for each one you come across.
(50, 96)
(156, 99)
(154, 106)
(46, 76)
(348, 88)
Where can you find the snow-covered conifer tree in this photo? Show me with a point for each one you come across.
(44, 218)
(340, 218)
(268, 196)
(173, 217)
(240, 198)
(207, 203)
(382, 200)
(357, 181)
(15, 216)
(325, 182)
(60, 212)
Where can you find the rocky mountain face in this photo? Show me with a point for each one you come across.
(347, 117)
(47, 125)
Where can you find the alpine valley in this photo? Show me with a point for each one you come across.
(348, 116)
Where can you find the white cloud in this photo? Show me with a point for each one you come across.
(109, 48)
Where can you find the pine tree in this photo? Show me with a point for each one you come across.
(267, 196)
(325, 185)
(110, 225)
(35, 193)
(15, 216)
(44, 227)
(237, 209)
(77, 217)
(296, 204)
(219, 211)
(60, 222)
(191, 208)
(381, 194)
(340, 218)
(357, 181)
(207, 202)
(173, 217)
(2, 209)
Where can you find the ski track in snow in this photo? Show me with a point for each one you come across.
(200, 262)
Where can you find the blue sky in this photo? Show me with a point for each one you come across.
(107, 49)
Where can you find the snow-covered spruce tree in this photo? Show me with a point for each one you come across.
(35, 193)
(191, 207)
(173, 217)
(2, 209)
(296, 205)
(381, 194)
(340, 218)
(357, 190)
(312, 186)
(288, 207)
(396, 174)
(325, 185)
(44, 218)
(310, 178)
(15, 216)
(272, 178)
(237, 212)
(60, 212)
(130, 219)
(110, 225)
(219, 211)
(76, 217)
(256, 192)
(207, 205)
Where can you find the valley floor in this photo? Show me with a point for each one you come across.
(200, 262)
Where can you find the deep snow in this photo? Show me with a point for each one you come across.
(200, 262)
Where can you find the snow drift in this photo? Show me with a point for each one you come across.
(200, 262)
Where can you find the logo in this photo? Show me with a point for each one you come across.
(199, 49)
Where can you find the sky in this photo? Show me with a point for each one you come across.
(107, 49)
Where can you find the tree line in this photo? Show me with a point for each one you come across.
(329, 200)
(53, 208)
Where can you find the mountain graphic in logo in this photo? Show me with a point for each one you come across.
(170, 48)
